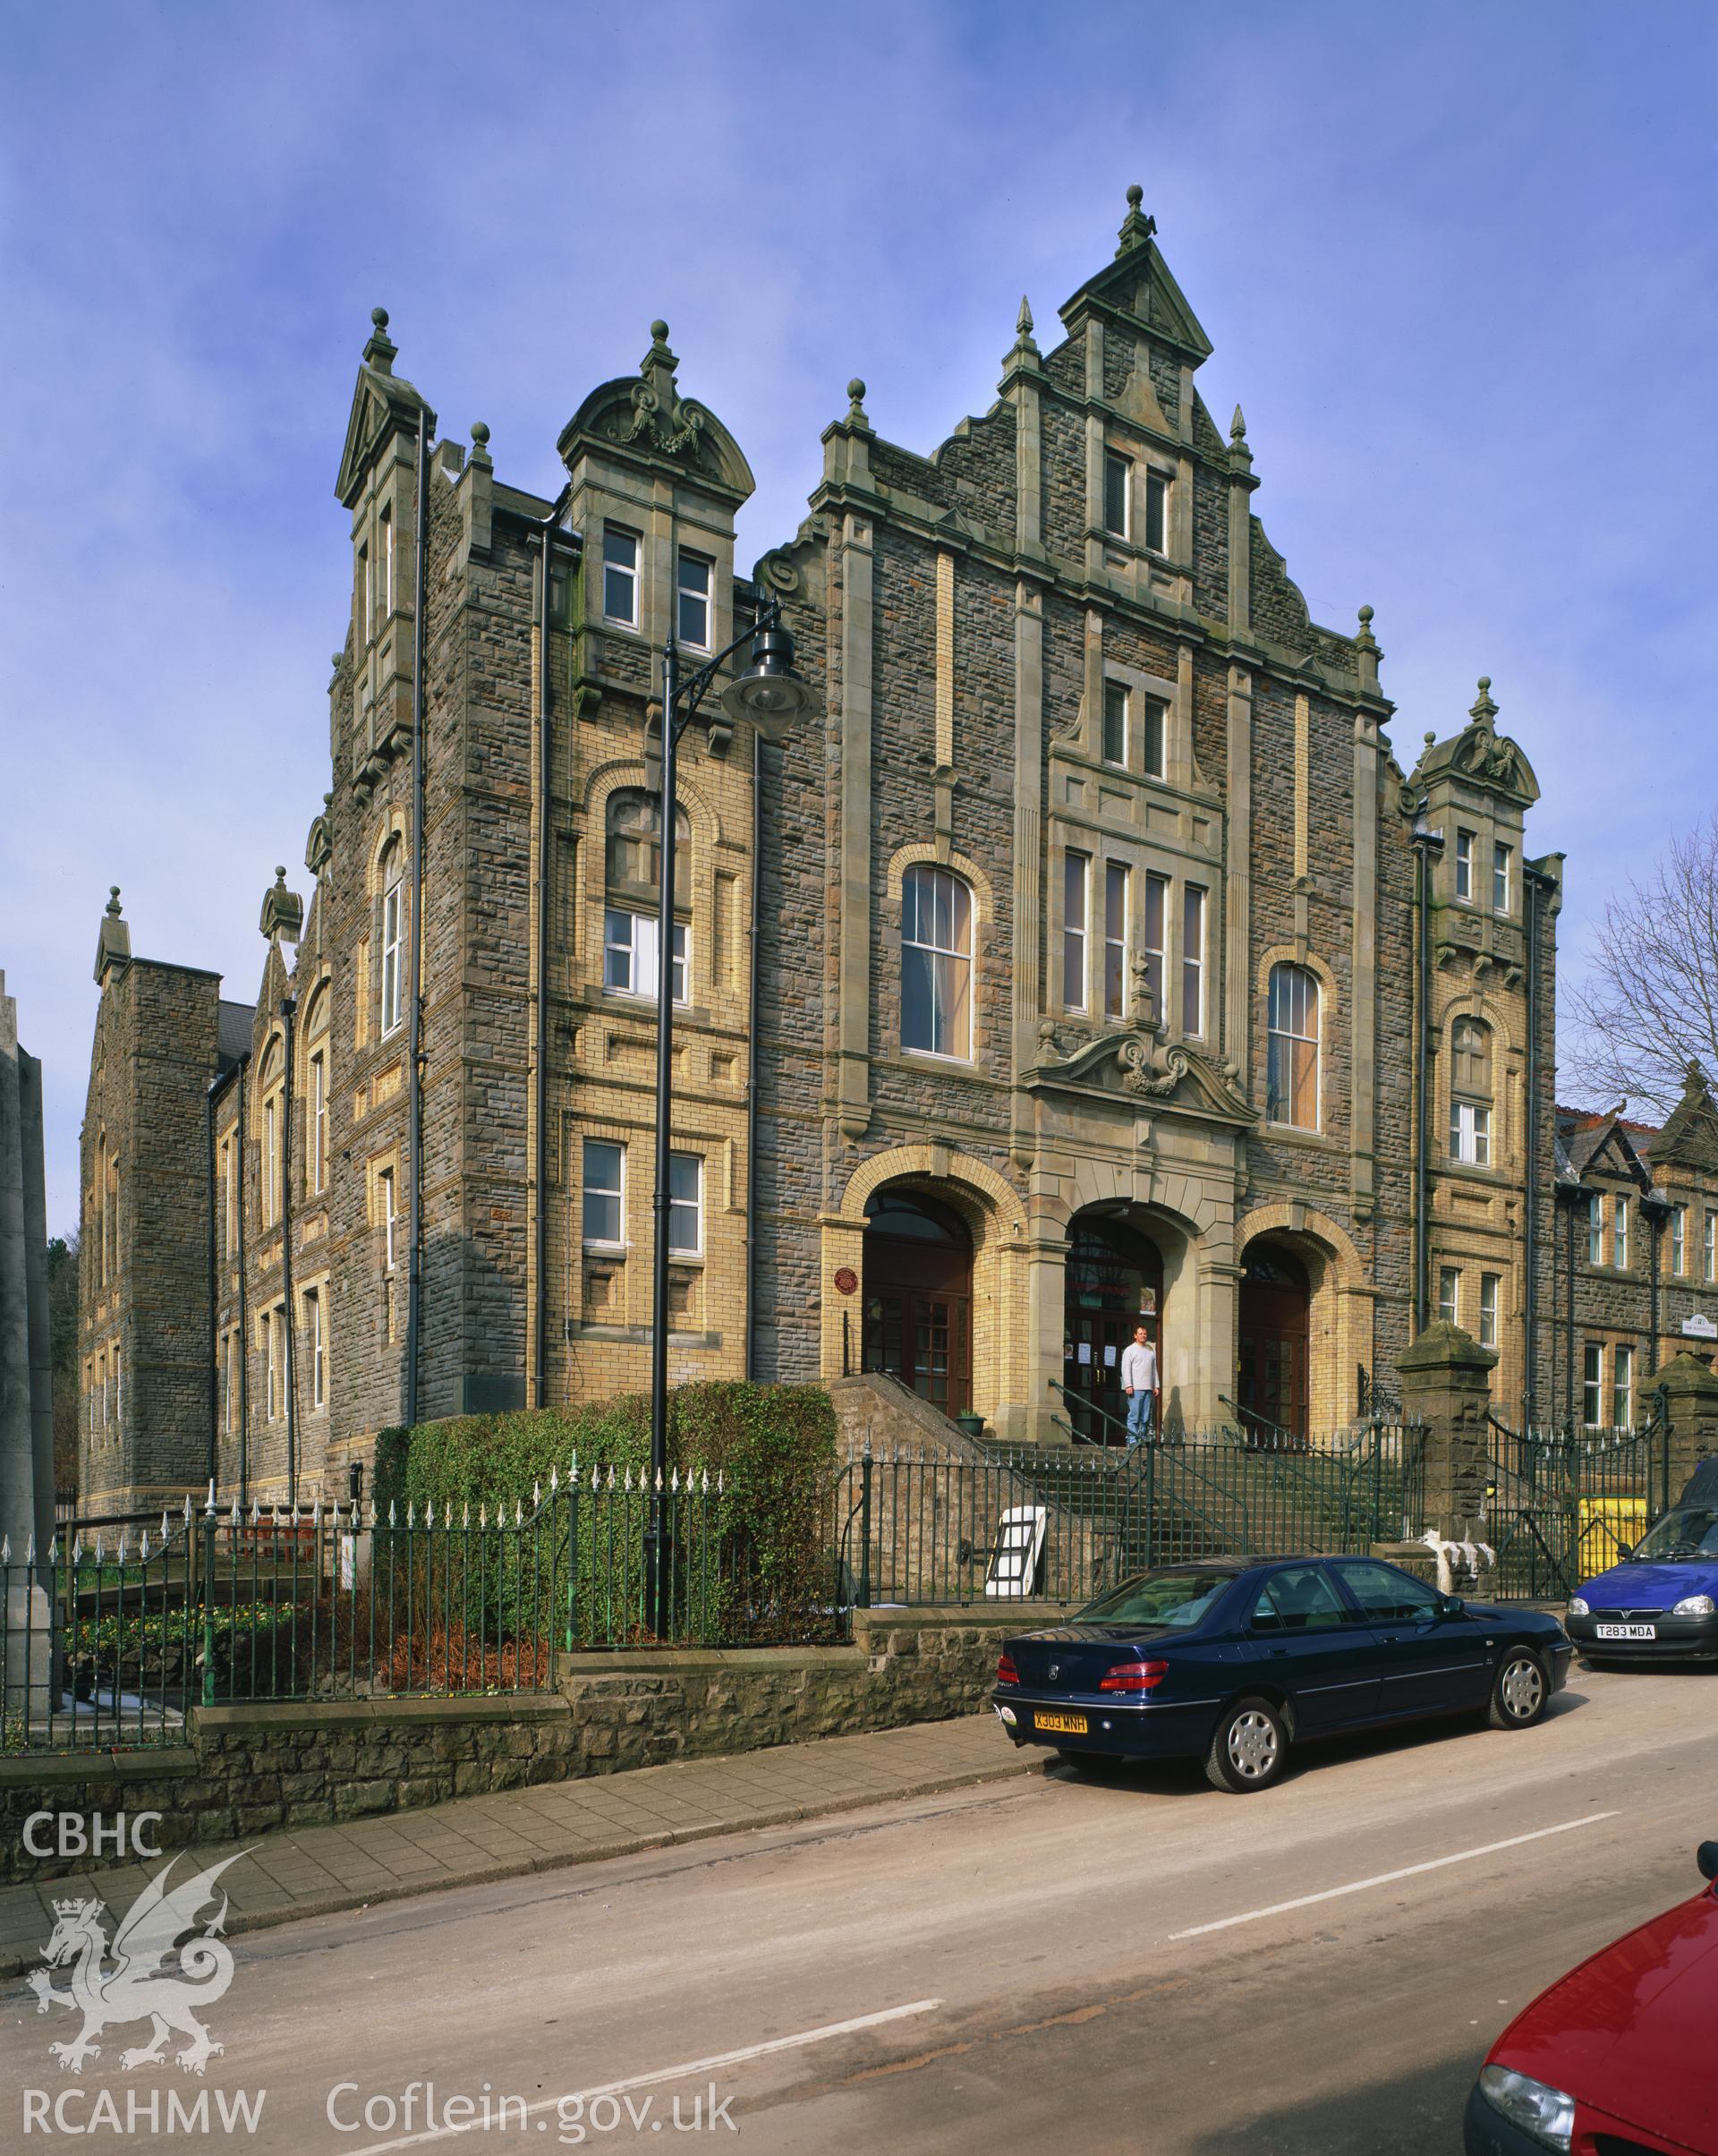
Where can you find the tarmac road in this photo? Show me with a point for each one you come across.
(1057, 1962)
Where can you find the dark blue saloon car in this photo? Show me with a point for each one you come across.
(1231, 1660)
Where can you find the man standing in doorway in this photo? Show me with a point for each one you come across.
(1139, 1382)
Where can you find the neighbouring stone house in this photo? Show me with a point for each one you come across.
(1087, 953)
(1635, 1267)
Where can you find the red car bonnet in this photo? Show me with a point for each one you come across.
(1631, 2029)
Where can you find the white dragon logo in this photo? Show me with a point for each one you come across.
(137, 1988)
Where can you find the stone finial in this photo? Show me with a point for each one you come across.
(1137, 227)
(1365, 638)
(1483, 710)
(283, 910)
(113, 942)
(380, 353)
(659, 331)
(856, 403)
(1237, 426)
(481, 443)
(1023, 321)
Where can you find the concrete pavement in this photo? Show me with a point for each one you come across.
(1130, 1962)
(318, 1870)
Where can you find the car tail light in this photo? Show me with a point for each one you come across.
(1135, 1676)
(1005, 1673)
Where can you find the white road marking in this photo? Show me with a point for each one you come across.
(691, 2065)
(1384, 1879)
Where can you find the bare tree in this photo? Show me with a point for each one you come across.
(1649, 1004)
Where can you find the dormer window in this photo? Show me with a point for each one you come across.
(1465, 866)
(619, 577)
(1118, 492)
(693, 616)
(1157, 512)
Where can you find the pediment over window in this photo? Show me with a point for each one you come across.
(647, 414)
(381, 401)
(1138, 1062)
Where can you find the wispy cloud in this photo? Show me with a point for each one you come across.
(1458, 265)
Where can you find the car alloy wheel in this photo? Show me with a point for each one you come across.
(1247, 1748)
(1520, 1695)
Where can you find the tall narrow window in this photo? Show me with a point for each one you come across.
(1620, 1232)
(685, 1205)
(1465, 865)
(230, 1196)
(231, 1387)
(1490, 1286)
(1709, 1255)
(317, 1112)
(1449, 1294)
(1500, 878)
(1470, 1093)
(270, 1408)
(936, 962)
(318, 1349)
(385, 1208)
(1291, 1075)
(693, 619)
(385, 528)
(619, 577)
(1115, 721)
(1157, 512)
(1622, 1388)
(1114, 940)
(1593, 1385)
(1076, 870)
(1679, 1239)
(1594, 1229)
(1155, 726)
(1117, 488)
(393, 928)
(605, 1171)
(271, 1162)
(1152, 948)
(366, 595)
(1193, 960)
(119, 1395)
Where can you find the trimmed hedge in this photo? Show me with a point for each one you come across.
(760, 1565)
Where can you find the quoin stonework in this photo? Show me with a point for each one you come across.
(1088, 954)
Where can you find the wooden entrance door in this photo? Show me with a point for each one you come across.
(1272, 1376)
(1114, 1281)
(918, 1297)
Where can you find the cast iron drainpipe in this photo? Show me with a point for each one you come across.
(550, 531)
(245, 1339)
(288, 1005)
(1534, 883)
(217, 1086)
(414, 1015)
(1426, 842)
(751, 1069)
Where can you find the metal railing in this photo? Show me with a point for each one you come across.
(1561, 1505)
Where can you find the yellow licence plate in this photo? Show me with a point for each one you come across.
(1064, 1725)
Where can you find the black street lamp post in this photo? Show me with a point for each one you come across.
(771, 695)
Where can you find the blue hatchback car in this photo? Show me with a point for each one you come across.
(1660, 1604)
(1231, 1660)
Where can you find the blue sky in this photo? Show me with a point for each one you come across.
(1457, 262)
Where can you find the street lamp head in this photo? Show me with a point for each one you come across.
(769, 692)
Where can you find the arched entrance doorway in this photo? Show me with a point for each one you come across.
(918, 1297)
(1271, 1380)
(1115, 1282)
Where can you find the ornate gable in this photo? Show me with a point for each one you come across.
(1138, 284)
(1482, 756)
(381, 401)
(1136, 1059)
(646, 415)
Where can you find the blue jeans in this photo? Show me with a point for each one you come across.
(1139, 1414)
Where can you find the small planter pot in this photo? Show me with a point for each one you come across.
(970, 1425)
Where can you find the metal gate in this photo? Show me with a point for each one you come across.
(1562, 1504)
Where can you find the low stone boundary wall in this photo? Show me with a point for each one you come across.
(246, 1770)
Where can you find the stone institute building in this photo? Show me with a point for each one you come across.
(1087, 953)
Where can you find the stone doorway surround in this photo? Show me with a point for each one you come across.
(1340, 1304)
